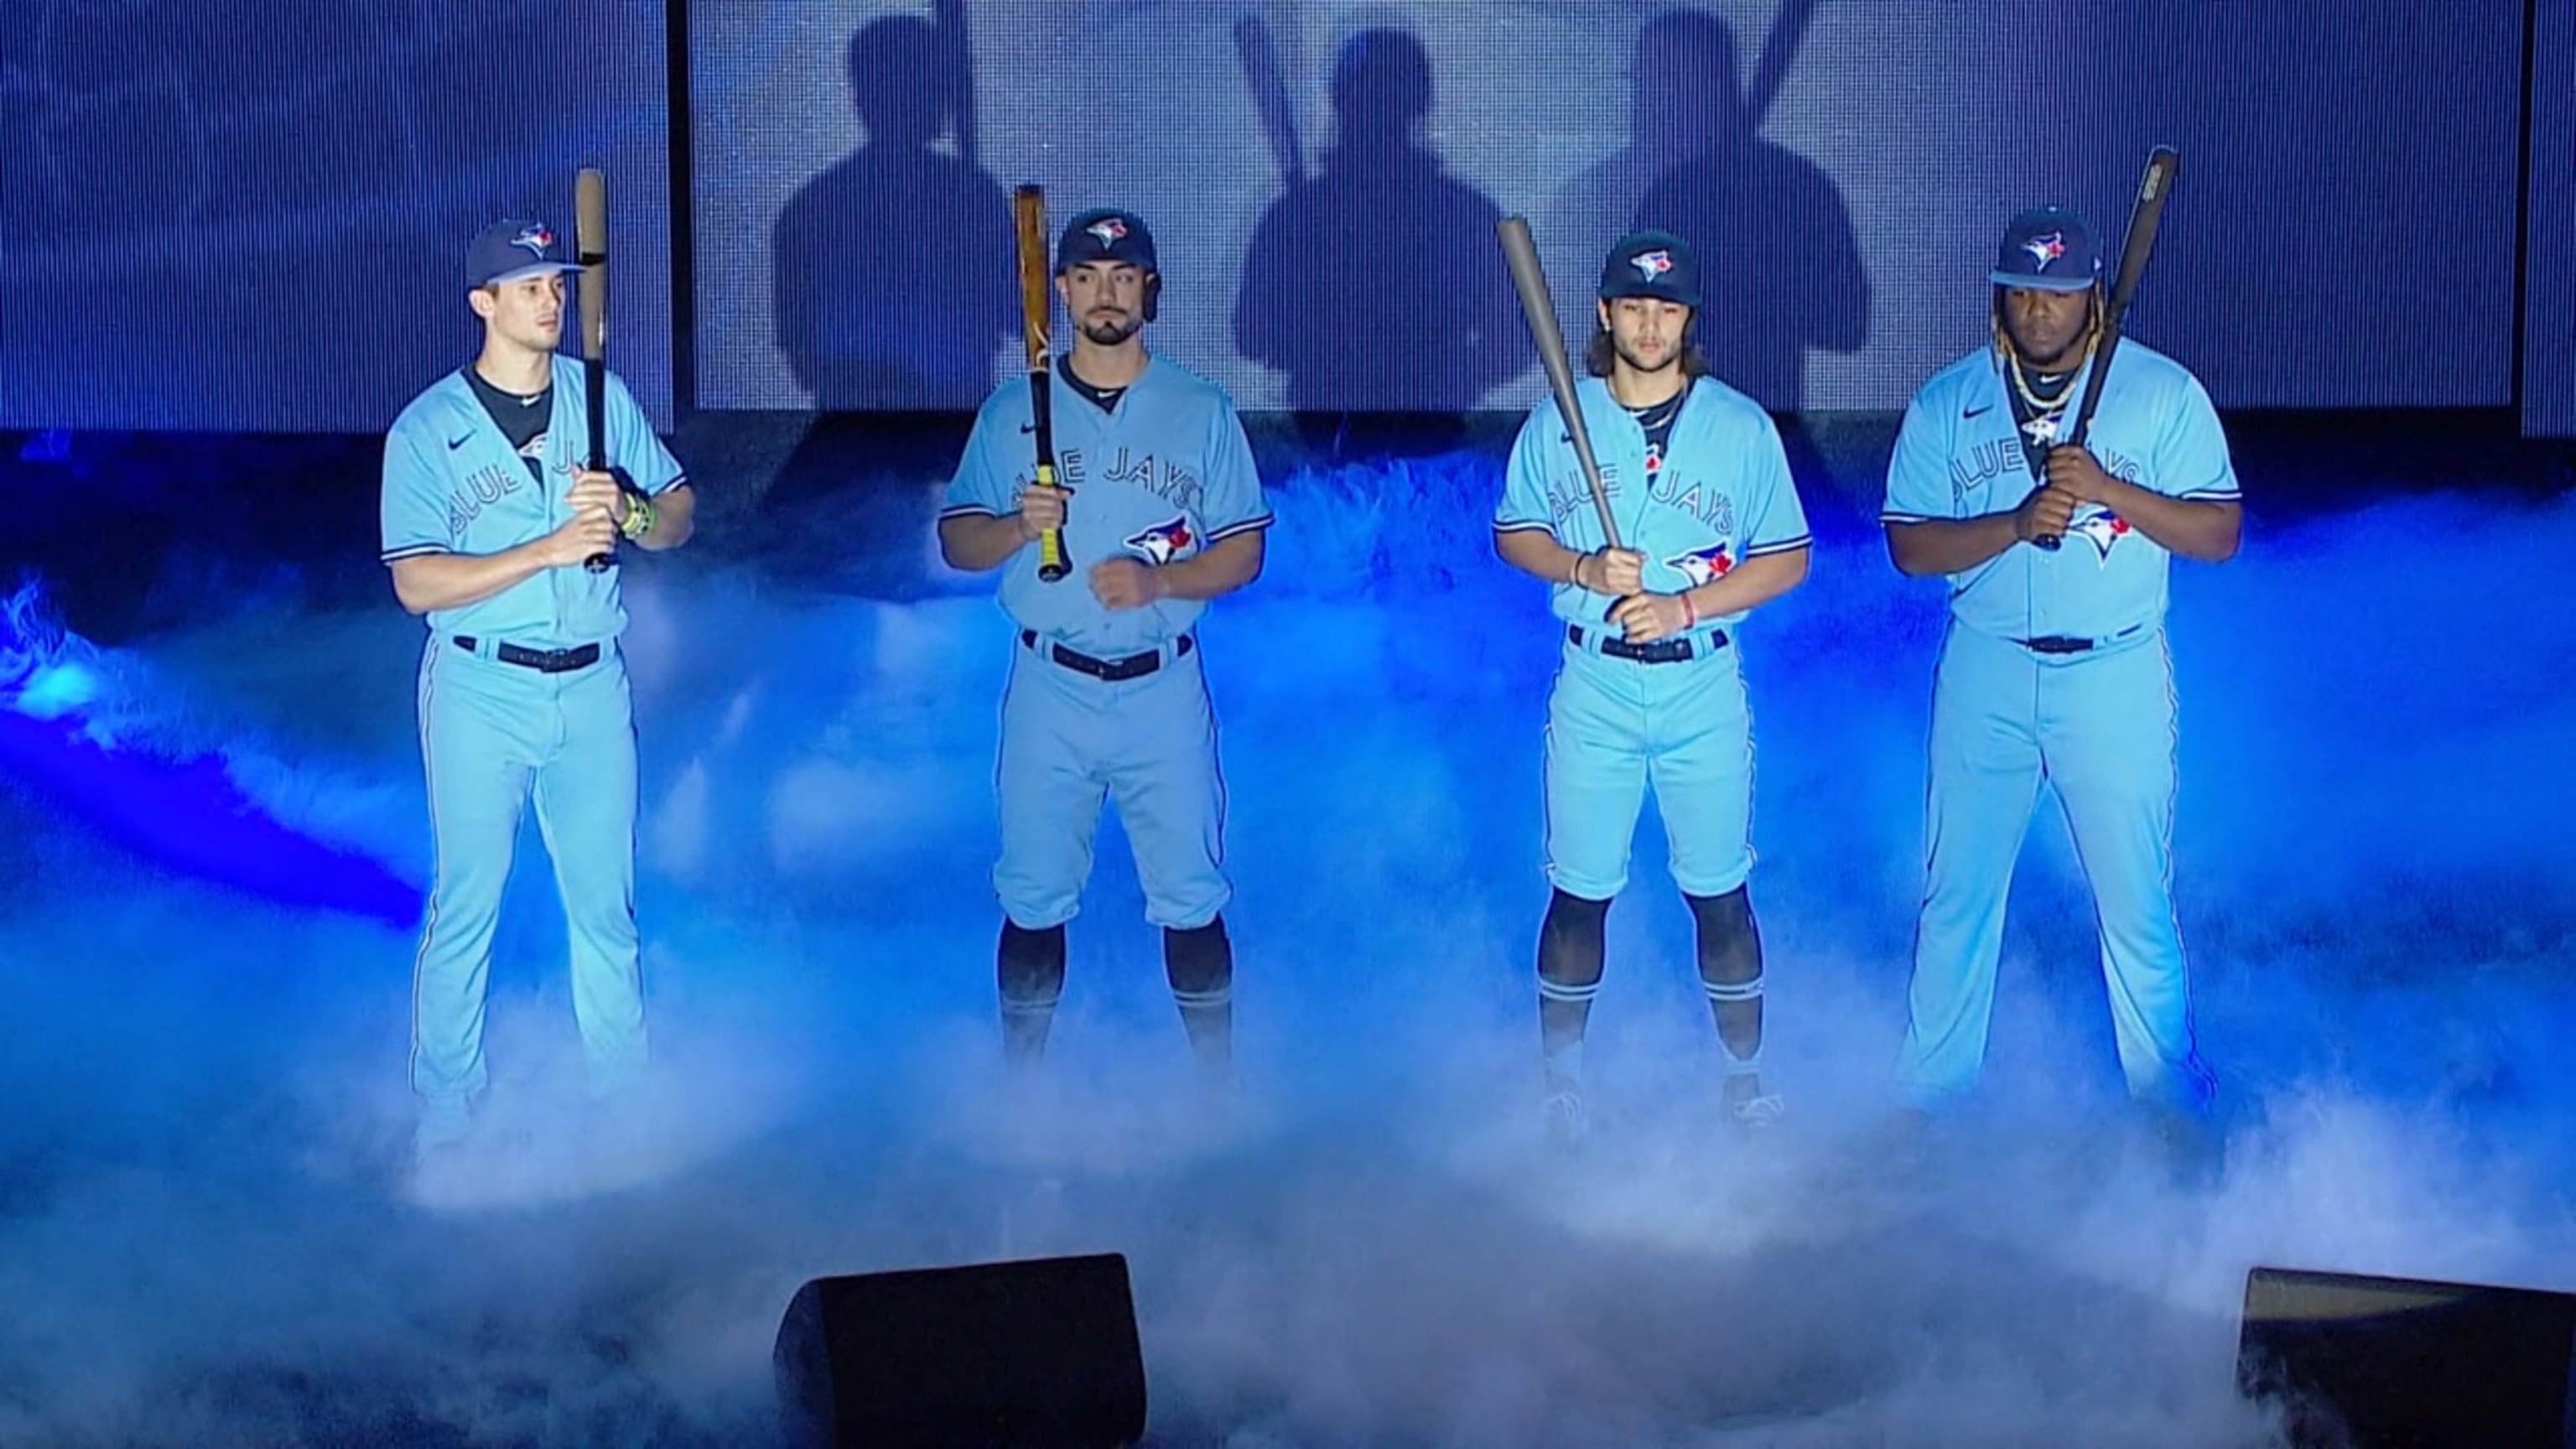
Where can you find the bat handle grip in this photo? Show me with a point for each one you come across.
(1052, 566)
(600, 563)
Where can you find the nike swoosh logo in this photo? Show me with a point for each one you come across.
(455, 443)
(1028, 427)
(1978, 412)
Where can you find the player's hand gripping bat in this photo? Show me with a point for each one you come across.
(1521, 255)
(2153, 187)
(1028, 209)
(590, 238)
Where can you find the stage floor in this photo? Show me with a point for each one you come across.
(212, 841)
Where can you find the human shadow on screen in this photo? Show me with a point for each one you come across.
(1780, 267)
(890, 277)
(1377, 284)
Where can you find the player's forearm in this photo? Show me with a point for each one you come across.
(2195, 528)
(454, 580)
(1755, 582)
(975, 542)
(1535, 551)
(1228, 565)
(675, 519)
(1948, 545)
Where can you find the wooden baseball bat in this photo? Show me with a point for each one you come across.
(1037, 301)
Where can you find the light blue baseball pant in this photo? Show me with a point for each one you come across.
(1069, 741)
(493, 736)
(2100, 728)
(1616, 727)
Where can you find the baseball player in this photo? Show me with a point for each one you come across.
(489, 515)
(1160, 511)
(1648, 690)
(2054, 665)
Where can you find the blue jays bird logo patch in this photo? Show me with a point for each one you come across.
(1652, 264)
(2047, 248)
(1163, 542)
(2099, 526)
(1109, 229)
(535, 238)
(1703, 565)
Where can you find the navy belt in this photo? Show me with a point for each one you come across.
(1134, 666)
(2071, 644)
(544, 661)
(1662, 651)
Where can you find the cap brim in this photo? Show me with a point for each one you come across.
(2041, 284)
(533, 269)
(1621, 294)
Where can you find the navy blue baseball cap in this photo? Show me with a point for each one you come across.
(1651, 264)
(1106, 234)
(2047, 249)
(511, 249)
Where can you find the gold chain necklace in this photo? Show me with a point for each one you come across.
(2030, 395)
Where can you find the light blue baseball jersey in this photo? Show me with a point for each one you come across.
(1160, 477)
(1958, 455)
(1719, 494)
(453, 484)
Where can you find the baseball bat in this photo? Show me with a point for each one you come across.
(1028, 209)
(2163, 165)
(1521, 255)
(1269, 82)
(590, 239)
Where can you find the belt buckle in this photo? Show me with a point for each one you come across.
(1108, 671)
(1677, 650)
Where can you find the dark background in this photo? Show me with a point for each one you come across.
(216, 224)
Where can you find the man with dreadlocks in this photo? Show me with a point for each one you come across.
(2054, 664)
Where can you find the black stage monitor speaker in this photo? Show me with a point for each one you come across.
(1041, 1354)
(2376, 1363)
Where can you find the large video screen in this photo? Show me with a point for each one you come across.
(254, 217)
(1323, 181)
(2549, 261)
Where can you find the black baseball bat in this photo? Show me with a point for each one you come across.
(590, 238)
(1028, 214)
(1520, 254)
(2163, 165)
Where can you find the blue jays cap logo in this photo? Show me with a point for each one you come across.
(1651, 265)
(1109, 229)
(2046, 249)
(1164, 541)
(1703, 565)
(2100, 527)
(536, 237)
